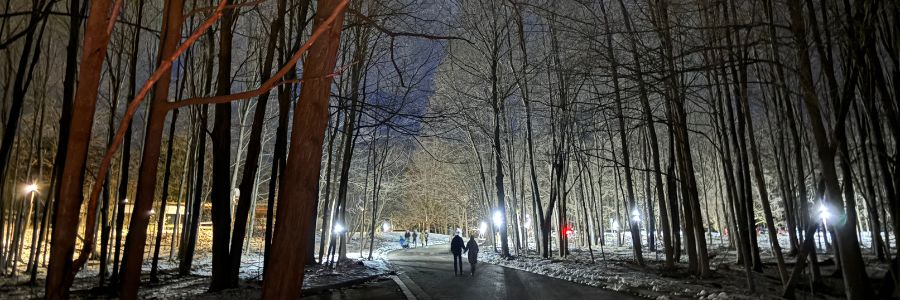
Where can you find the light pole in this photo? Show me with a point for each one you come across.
(497, 218)
(482, 228)
(824, 214)
(527, 227)
(32, 189)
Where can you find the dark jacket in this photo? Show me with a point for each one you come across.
(457, 245)
(472, 248)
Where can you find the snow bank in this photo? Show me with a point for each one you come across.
(616, 272)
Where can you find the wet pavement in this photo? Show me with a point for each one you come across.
(428, 274)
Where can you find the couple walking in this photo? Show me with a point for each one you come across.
(458, 248)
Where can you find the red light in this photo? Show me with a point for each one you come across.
(568, 230)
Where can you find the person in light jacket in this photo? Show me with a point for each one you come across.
(472, 249)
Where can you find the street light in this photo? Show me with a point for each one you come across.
(498, 218)
(824, 214)
(31, 188)
(385, 227)
(338, 228)
(636, 215)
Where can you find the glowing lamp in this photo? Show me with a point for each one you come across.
(498, 218)
(31, 188)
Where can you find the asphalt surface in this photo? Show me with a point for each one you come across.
(428, 273)
(381, 289)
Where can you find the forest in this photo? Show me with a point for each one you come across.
(748, 147)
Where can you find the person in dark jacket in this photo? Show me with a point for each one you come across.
(472, 249)
(457, 247)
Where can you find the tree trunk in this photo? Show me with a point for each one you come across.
(136, 239)
(59, 273)
(251, 163)
(852, 266)
(297, 200)
(161, 213)
(221, 193)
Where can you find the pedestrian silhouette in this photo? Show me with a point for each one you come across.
(457, 247)
(472, 249)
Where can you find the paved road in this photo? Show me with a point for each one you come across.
(380, 289)
(428, 273)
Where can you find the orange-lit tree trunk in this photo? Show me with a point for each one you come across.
(70, 190)
(297, 200)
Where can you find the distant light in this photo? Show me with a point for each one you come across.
(125, 200)
(31, 188)
(569, 232)
(482, 228)
(824, 212)
(636, 215)
(338, 228)
(152, 211)
(385, 227)
(498, 218)
(615, 225)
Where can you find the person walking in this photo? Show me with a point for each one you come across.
(472, 249)
(457, 247)
(415, 236)
(425, 237)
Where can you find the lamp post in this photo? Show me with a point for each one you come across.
(498, 221)
(824, 214)
(482, 228)
(527, 227)
(32, 189)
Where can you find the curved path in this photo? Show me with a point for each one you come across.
(428, 274)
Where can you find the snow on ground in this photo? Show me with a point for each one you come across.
(617, 273)
(613, 268)
(173, 286)
(389, 241)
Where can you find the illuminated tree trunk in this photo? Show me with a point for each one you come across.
(297, 200)
(96, 39)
